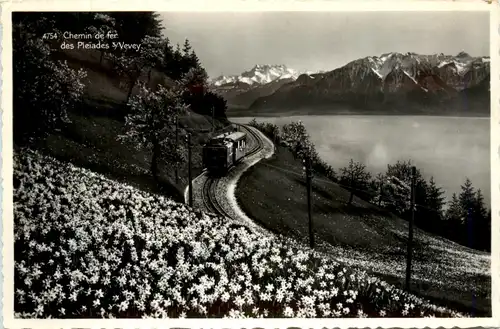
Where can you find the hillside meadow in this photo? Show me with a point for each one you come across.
(88, 246)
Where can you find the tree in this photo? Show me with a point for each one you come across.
(467, 196)
(39, 23)
(297, 139)
(103, 24)
(169, 66)
(186, 48)
(454, 219)
(194, 60)
(186, 62)
(467, 199)
(356, 177)
(195, 80)
(152, 122)
(433, 210)
(131, 66)
(481, 223)
(198, 96)
(133, 27)
(398, 184)
(401, 172)
(378, 184)
(435, 197)
(176, 69)
(180, 61)
(44, 89)
(189, 57)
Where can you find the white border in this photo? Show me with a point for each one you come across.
(495, 160)
(244, 6)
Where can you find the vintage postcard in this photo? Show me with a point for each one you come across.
(250, 164)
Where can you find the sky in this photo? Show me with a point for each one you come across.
(230, 43)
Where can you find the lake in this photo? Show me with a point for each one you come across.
(448, 148)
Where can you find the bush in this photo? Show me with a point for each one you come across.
(295, 138)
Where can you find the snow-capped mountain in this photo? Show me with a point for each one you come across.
(242, 90)
(390, 81)
(259, 74)
(413, 65)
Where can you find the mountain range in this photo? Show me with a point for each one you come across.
(392, 83)
(242, 90)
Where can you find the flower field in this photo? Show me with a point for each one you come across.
(86, 246)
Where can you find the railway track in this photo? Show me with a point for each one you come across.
(210, 193)
(259, 145)
(210, 200)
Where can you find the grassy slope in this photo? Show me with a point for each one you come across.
(274, 195)
(72, 225)
(91, 139)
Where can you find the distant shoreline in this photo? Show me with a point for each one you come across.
(238, 114)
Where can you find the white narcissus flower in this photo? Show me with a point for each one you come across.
(149, 282)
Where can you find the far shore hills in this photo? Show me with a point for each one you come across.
(333, 112)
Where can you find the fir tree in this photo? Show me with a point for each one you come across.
(132, 27)
(176, 68)
(435, 197)
(467, 199)
(454, 220)
(454, 211)
(479, 208)
(467, 196)
(186, 48)
(434, 206)
(195, 61)
(481, 224)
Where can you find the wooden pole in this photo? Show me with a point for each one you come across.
(177, 145)
(309, 201)
(189, 171)
(213, 120)
(380, 193)
(410, 228)
(352, 188)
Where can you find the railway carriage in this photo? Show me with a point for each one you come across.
(224, 151)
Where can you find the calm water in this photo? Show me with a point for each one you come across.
(450, 149)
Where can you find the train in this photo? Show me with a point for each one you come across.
(223, 151)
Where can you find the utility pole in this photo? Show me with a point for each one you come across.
(213, 120)
(381, 184)
(177, 145)
(309, 177)
(410, 226)
(188, 137)
(352, 187)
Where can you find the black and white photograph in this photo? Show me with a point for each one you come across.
(251, 165)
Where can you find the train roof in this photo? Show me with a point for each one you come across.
(236, 136)
(226, 138)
